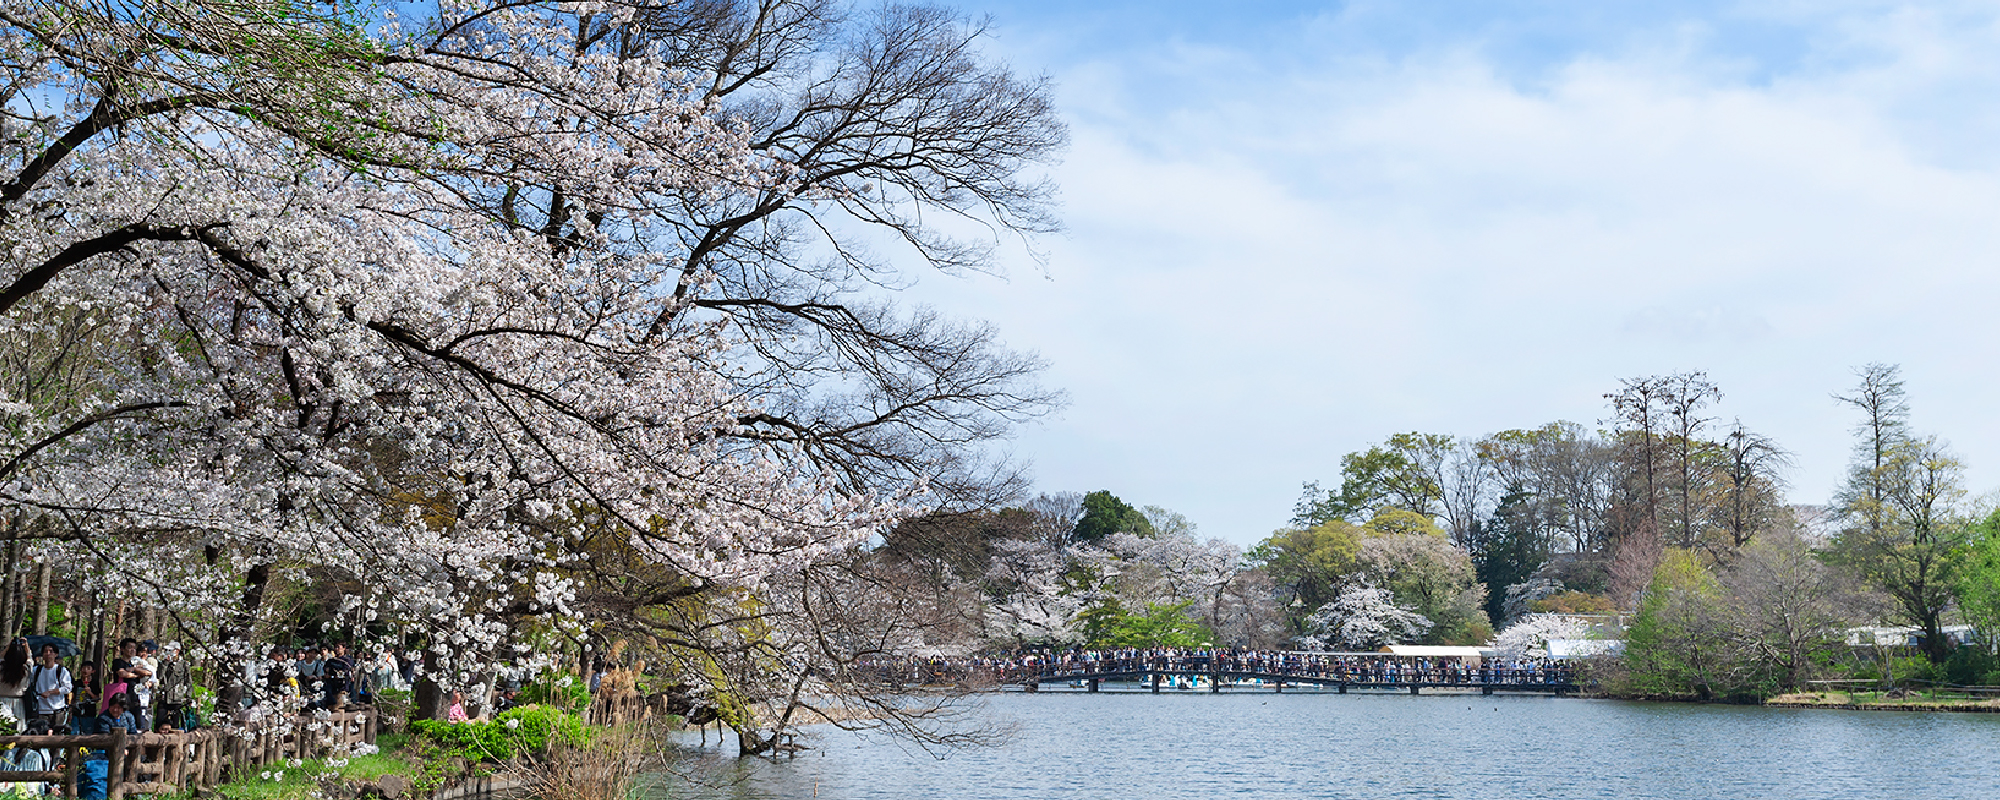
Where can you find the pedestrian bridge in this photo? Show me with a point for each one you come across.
(1261, 670)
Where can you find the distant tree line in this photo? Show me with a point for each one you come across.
(1664, 525)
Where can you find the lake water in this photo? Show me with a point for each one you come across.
(1311, 745)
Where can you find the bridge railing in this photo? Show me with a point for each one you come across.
(1372, 670)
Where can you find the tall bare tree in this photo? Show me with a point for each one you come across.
(1636, 415)
(1885, 424)
(1751, 483)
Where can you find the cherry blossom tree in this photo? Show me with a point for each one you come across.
(443, 310)
(1036, 603)
(1362, 617)
(1174, 567)
(1535, 630)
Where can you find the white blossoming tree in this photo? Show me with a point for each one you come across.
(1535, 631)
(442, 312)
(1036, 605)
(1362, 617)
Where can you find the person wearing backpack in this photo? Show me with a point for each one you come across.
(49, 687)
(175, 686)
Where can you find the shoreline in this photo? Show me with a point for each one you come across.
(1796, 700)
(1845, 701)
(1931, 708)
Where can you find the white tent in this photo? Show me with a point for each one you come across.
(1584, 648)
(1438, 650)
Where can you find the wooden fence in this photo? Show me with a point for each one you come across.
(167, 763)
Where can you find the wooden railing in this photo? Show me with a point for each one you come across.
(169, 763)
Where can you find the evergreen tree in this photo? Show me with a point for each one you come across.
(1104, 514)
(1511, 548)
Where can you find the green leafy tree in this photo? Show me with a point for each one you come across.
(1912, 546)
(1979, 581)
(1104, 514)
(1406, 472)
(1101, 621)
(1678, 645)
(1163, 625)
(1310, 565)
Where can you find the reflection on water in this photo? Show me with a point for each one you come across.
(1163, 747)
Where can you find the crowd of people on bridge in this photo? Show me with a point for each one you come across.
(1350, 668)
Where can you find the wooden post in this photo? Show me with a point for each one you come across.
(1093, 684)
(1156, 683)
(217, 747)
(189, 769)
(1413, 689)
(134, 749)
(73, 761)
(174, 760)
(114, 766)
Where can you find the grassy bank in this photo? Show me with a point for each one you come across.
(547, 748)
(303, 780)
(1943, 700)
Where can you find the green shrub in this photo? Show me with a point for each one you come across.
(1902, 668)
(519, 731)
(541, 726)
(1971, 666)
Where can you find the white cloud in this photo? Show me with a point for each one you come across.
(1300, 254)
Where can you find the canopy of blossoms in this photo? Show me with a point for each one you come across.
(292, 291)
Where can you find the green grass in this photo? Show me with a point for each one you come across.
(299, 783)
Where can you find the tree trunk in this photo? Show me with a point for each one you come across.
(429, 698)
(103, 609)
(42, 598)
(245, 624)
(1937, 647)
(9, 587)
(80, 627)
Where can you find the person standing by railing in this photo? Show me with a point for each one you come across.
(21, 759)
(50, 686)
(176, 687)
(14, 679)
(136, 672)
(336, 672)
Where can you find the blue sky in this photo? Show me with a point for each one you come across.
(1297, 228)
